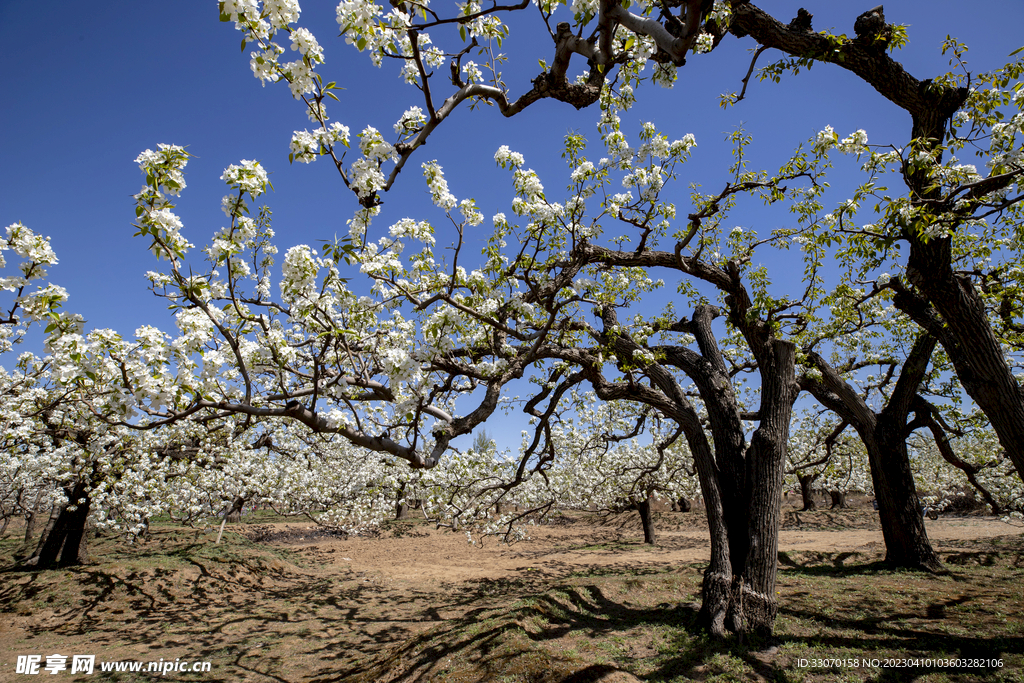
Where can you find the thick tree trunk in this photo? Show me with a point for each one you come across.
(739, 587)
(966, 334)
(806, 493)
(766, 460)
(647, 519)
(401, 504)
(741, 483)
(716, 588)
(838, 500)
(76, 544)
(899, 510)
(32, 558)
(64, 542)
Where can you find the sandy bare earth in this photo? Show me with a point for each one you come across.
(430, 559)
(365, 596)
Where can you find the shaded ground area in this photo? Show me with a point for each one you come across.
(583, 600)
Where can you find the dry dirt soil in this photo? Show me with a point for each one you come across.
(282, 601)
(429, 560)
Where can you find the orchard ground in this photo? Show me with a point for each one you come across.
(583, 600)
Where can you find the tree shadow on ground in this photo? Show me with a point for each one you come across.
(258, 616)
(263, 616)
(487, 643)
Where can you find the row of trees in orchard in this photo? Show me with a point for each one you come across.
(650, 344)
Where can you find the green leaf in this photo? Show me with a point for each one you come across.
(462, 32)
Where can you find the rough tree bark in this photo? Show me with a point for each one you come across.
(739, 586)
(741, 483)
(899, 509)
(766, 459)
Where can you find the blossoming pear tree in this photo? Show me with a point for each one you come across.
(626, 45)
(320, 342)
(523, 310)
(553, 299)
(823, 455)
(79, 446)
(26, 305)
(425, 348)
(20, 386)
(609, 459)
(967, 466)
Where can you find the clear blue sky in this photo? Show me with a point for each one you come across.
(87, 86)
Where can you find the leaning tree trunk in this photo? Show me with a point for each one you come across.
(716, 588)
(63, 542)
(965, 330)
(966, 335)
